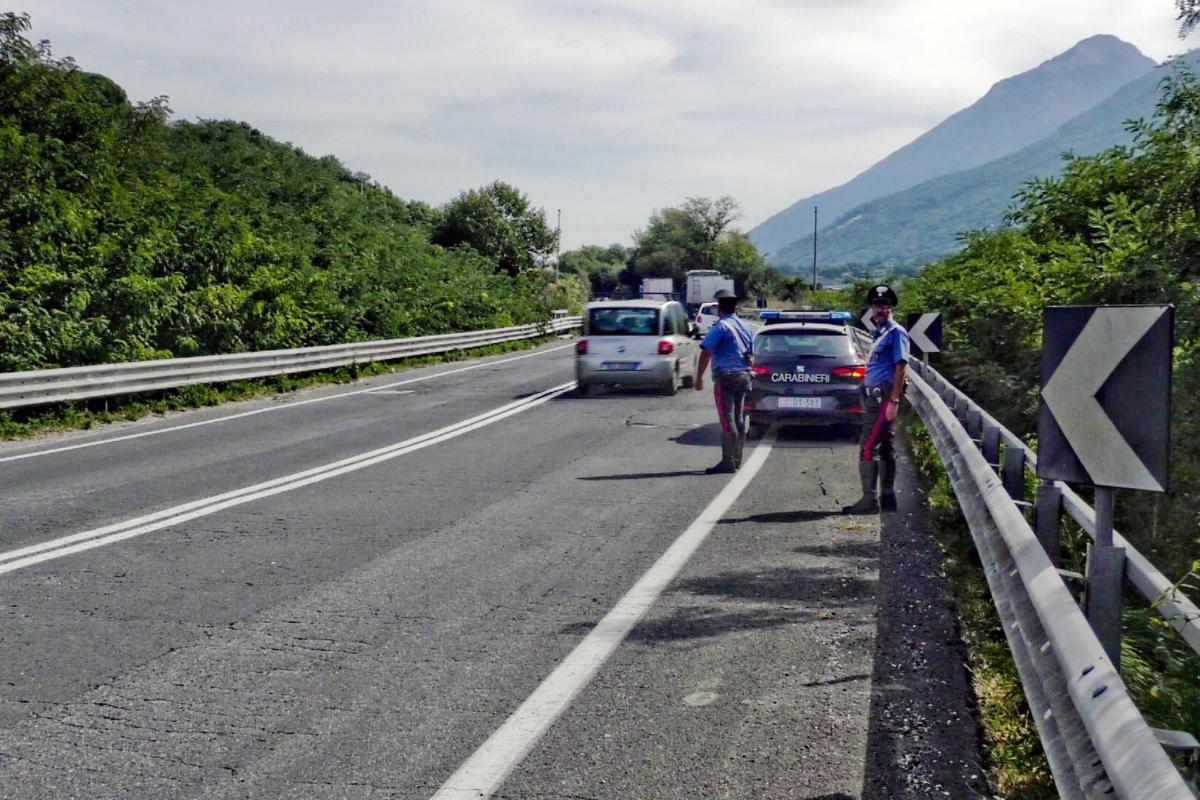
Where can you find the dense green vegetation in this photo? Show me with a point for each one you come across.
(1118, 227)
(127, 237)
(1122, 226)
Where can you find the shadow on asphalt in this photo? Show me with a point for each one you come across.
(841, 550)
(785, 584)
(800, 515)
(706, 435)
(631, 476)
(771, 588)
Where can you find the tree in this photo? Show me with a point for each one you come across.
(699, 235)
(498, 222)
(598, 266)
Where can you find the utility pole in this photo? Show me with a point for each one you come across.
(814, 288)
(557, 241)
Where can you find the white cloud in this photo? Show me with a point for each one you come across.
(605, 108)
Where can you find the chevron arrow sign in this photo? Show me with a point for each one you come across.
(867, 320)
(1105, 412)
(925, 331)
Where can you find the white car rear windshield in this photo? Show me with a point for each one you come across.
(802, 345)
(709, 309)
(623, 322)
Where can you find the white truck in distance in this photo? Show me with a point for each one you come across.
(658, 288)
(702, 284)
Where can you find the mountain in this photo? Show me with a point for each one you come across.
(1015, 112)
(922, 223)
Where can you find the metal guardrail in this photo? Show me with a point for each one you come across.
(1096, 741)
(38, 387)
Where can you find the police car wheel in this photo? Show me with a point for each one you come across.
(583, 388)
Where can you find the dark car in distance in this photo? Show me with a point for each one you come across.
(806, 370)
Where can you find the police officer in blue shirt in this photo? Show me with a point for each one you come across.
(727, 345)
(887, 363)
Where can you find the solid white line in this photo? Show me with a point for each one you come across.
(487, 768)
(282, 407)
(127, 529)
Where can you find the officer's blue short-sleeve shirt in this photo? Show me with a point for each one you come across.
(889, 352)
(727, 354)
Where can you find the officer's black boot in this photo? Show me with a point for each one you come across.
(867, 471)
(887, 485)
(739, 444)
(728, 442)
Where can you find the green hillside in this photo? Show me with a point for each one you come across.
(126, 237)
(923, 223)
(1014, 113)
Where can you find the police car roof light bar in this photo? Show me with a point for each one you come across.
(807, 316)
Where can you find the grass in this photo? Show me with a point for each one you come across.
(83, 415)
(1016, 765)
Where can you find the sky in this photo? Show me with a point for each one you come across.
(604, 109)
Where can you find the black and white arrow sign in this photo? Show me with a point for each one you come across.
(925, 331)
(1105, 410)
(867, 320)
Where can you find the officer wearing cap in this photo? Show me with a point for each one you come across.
(887, 363)
(727, 345)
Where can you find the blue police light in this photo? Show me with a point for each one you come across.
(805, 316)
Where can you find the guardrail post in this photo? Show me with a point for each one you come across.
(1013, 474)
(1105, 576)
(1048, 520)
(960, 409)
(974, 423)
(991, 445)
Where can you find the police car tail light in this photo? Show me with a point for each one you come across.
(855, 373)
(581, 347)
(665, 348)
(757, 372)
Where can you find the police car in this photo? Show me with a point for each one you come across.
(807, 369)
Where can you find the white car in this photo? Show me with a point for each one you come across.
(706, 317)
(645, 343)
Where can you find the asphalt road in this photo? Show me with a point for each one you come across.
(316, 598)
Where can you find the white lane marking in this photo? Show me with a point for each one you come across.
(127, 529)
(282, 407)
(392, 391)
(487, 768)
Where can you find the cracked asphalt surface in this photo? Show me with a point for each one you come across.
(360, 638)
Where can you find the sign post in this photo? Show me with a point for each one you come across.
(1104, 421)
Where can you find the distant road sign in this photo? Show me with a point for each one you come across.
(1105, 411)
(867, 322)
(925, 331)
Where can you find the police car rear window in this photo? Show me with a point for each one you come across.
(623, 322)
(809, 344)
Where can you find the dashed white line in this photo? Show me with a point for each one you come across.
(127, 529)
(283, 407)
(483, 773)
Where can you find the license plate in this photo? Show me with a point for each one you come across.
(799, 402)
(620, 366)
